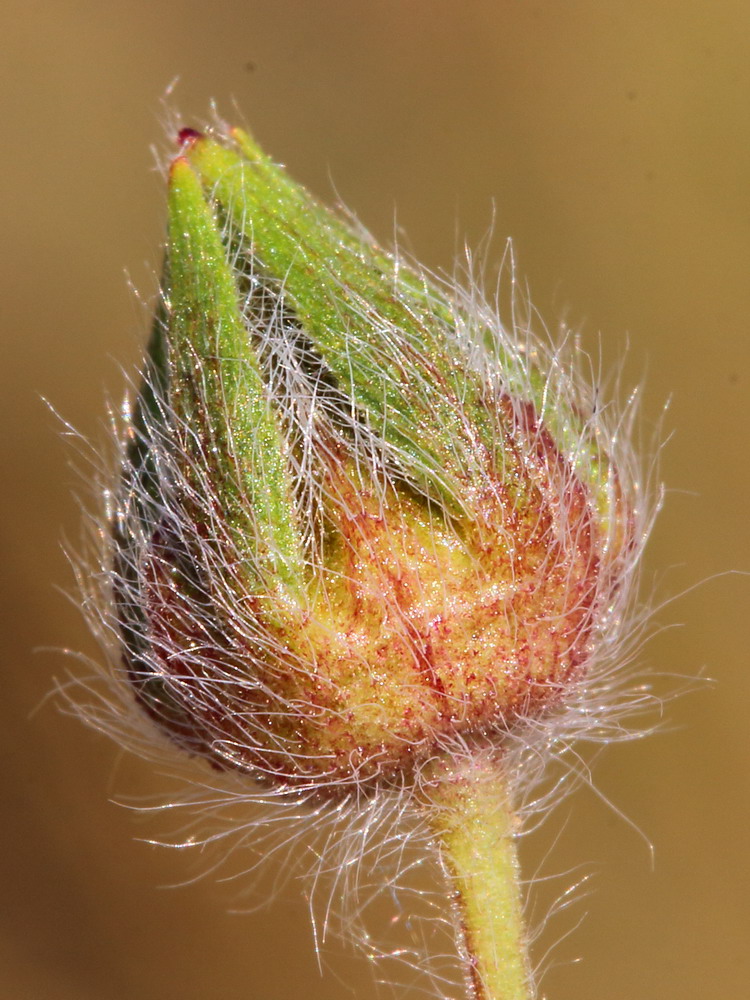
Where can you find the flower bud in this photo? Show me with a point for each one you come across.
(357, 519)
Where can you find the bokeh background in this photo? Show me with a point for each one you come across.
(611, 140)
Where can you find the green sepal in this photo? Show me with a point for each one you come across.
(217, 394)
(383, 332)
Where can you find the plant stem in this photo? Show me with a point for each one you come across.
(471, 817)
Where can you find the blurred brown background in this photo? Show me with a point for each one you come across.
(612, 142)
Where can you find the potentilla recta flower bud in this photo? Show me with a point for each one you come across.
(365, 541)
(356, 519)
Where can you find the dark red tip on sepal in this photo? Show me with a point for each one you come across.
(187, 136)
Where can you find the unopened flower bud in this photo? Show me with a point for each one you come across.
(357, 519)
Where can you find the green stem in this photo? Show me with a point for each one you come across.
(472, 820)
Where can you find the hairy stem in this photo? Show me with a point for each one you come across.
(473, 823)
